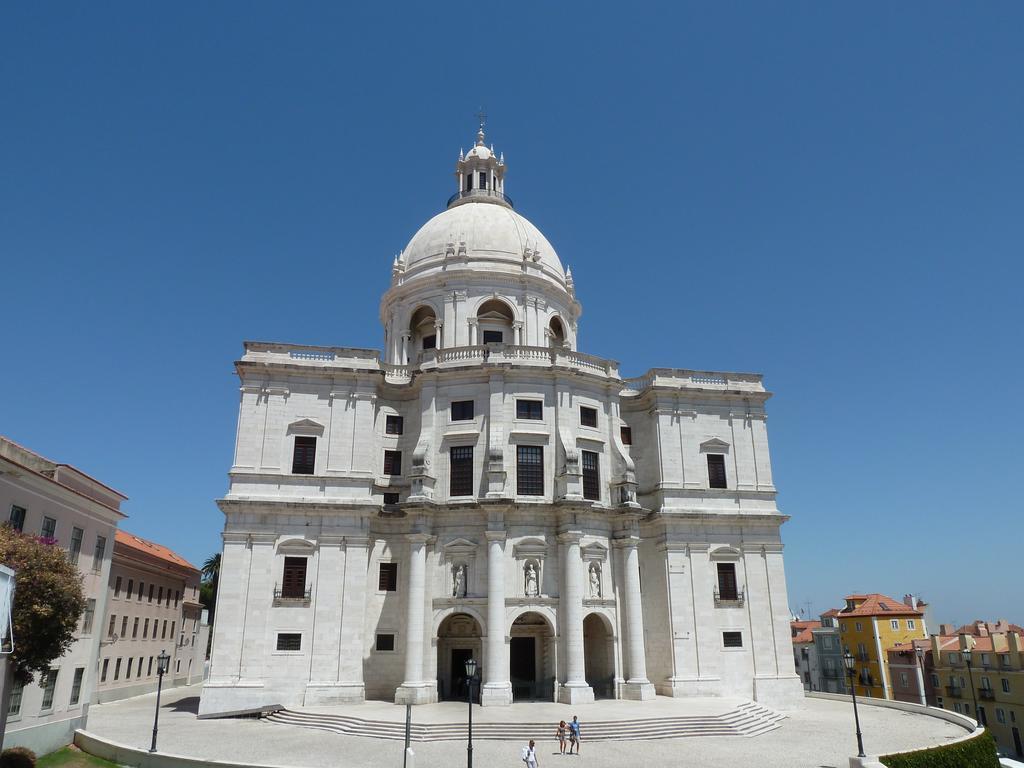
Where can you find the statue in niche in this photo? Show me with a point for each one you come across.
(459, 581)
(531, 581)
(595, 582)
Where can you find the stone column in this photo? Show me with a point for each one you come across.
(406, 335)
(414, 689)
(497, 689)
(439, 334)
(575, 689)
(637, 686)
(517, 333)
(472, 331)
(353, 609)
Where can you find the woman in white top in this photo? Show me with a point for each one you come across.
(530, 755)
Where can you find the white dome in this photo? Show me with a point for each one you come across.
(492, 233)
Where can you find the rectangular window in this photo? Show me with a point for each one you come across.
(99, 553)
(293, 580)
(145, 629)
(860, 628)
(177, 596)
(18, 524)
(163, 631)
(460, 482)
(394, 425)
(911, 624)
(124, 627)
(387, 577)
(493, 337)
(49, 528)
(530, 470)
(716, 471)
(142, 588)
(117, 587)
(135, 628)
(732, 639)
(88, 615)
(392, 462)
(1006, 685)
(160, 596)
(626, 435)
(530, 409)
(289, 641)
(173, 623)
(392, 498)
(139, 668)
(895, 623)
(903, 679)
(591, 475)
(75, 547)
(14, 708)
(588, 416)
(462, 410)
(385, 642)
(935, 681)
(430, 342)
(483, 180)
(149, 667)
(49, 685)
(727, 587)
(111, 626)
(149, 597)
(103, 670)
(304, 455)
(131, 588)
(76, 686)
(117, 669)
(128, 668)
(1000, 715)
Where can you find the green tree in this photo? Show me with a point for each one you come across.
(48, 601)
(208, 587)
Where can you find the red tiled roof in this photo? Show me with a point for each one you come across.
(876, 604)
(805, 636)
(832, 612)
(152, 549)
(801, 630)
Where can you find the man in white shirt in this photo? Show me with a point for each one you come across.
(530, 755)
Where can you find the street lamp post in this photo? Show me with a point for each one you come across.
(920, 675)
(161, 667)
(970, 679)
(848, 662)
(470, 679)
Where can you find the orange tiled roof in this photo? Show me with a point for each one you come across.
(801, 630)
(153, 549)
(832, 612)
(805, 636)
(875, 604)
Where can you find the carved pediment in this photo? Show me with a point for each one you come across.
(306, 427)
(725, 553)
(595, 551)
(714, 445)
(459, 549)
(530, 547)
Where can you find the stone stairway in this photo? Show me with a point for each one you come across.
(748, 719)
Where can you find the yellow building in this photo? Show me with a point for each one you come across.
(994, 681)
(868, 626)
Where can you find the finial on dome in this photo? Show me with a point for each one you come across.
(461, 156)
(482, 117)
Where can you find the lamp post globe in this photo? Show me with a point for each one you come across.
(850, 664)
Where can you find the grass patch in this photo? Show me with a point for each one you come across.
(72, 757)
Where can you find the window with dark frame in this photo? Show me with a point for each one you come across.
(17, 518)
(588, 416)
(394, 425)
(385, 642)
(289, 641)
(117, 587)
(49, 528)
(293, 579)
(304, 455)
(626, 435)
(430, 342)
(462, 410)
(103, 671)
(149, 595)
(392, 462)
(530, 409)
(530, 470)
(732, 639)
(727, 587)
(460, 479)
(591, 475)
(716, 471)
(76, 686)
(387, 577)
(75, 548)
(494, 337)
(392, 498)
(99, 553)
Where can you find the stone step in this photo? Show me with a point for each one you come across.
(749, 719)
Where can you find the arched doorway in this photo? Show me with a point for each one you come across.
(532, 658)
(599, 655)
(557, 332)
(458, 639)
(494, 322)
(424, 332)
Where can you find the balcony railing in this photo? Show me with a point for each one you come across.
(986, 693)
(493, 193)
(729, 601)
(292, 595)
(954, 690)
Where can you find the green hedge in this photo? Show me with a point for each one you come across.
(979, 752)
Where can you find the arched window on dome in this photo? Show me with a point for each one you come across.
(556, 332)
(494, 322)
(424, 327)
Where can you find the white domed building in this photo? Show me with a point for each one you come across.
(482, 489)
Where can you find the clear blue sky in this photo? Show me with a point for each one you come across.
(830, 194)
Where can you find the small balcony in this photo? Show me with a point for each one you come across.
(954, 690)
(292, 596)
(734, 600)
(987, 693)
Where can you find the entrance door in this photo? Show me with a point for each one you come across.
(1016, 743)
(523, 667)
(457, 683)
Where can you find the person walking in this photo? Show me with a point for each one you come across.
(530, 755)
(561, 736)
(574, 735)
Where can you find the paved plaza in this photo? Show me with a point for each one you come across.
(818, 736)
